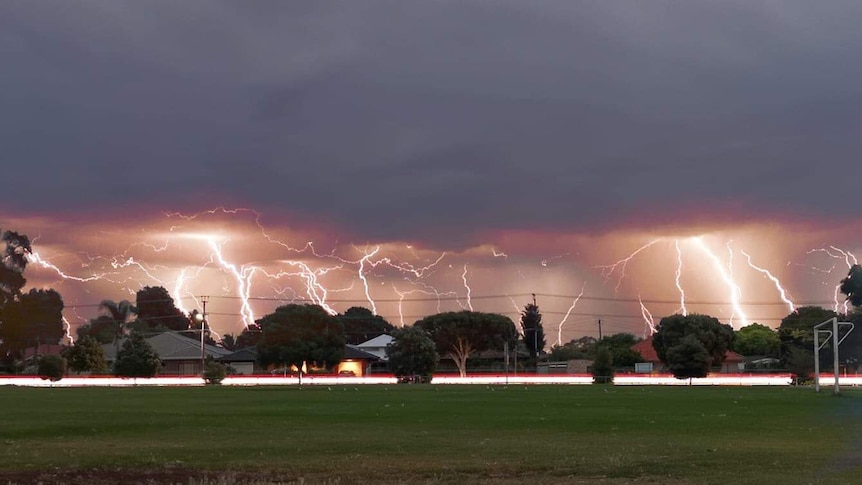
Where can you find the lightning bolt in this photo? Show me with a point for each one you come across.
(243, 277)
(569, 312)
(361, 272)
(608, 270)
(735, 291)
(849, 259)
(648, 318)
(781, 292)
(678, 276)
(469, 291)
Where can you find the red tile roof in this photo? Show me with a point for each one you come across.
(649, 354)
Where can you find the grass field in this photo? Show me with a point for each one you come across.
(430, 434)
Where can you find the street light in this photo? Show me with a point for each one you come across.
(202, 319)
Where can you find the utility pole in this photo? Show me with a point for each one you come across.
(203, 327)
(600, 328)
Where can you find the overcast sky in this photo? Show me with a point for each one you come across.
(507, 147)
(434, 119)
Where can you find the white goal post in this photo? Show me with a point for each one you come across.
(833, 332)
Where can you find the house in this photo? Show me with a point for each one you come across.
(180, 355)
(376, 346)
(733, 362)
(356, 362)
(242, 361)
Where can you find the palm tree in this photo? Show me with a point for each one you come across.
(121, 312)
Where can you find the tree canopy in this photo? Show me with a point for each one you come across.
(156, 309)
(757, 339)
(26, 319)
(12, 265)
(620, 347)
(460, 334)
(532, 330)
(713, 336)
(111, 323)
(689, 358)
(412, 353)
(35, 318)
(361, 325)
(86, 356)
(136, 358)
(851, 286)
(294, 334)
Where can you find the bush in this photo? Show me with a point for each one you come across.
(52, 367)
(214, 373)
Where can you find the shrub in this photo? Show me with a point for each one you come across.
(52, 367)
(214, 373)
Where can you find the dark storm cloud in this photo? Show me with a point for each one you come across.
(434, 120)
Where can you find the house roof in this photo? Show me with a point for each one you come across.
(173, 346)
(43, 349)
(379, 341)
(247, 354)
(644, 347)
(353, 352)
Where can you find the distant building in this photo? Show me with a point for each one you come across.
(180, 355)
(733, 362)
(376, 346)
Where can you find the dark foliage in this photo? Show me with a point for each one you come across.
(361, 325)
(136, 358)
(86, 356)
(532, 330)
(851, 286)
(156, 309)
(689, 358)
(52, 367)
(412, 353)
(294, 334)
(603, 367)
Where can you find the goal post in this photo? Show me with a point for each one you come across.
(836, 342)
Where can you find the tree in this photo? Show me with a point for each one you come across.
(852, 285)
(603, 367)
(360, 325)
(797, 331)
(757, 339)
(136, 358)
(86, 356)
(459, 334)
(800, 363)
(295, 334)
(12, 265)
(412, 353)
(228, 342)
(714, 336)
(581, 348)
(157, 310)
(534, 333)
(52, 367)
(690, 358)
(249, 337)
(102, 329)
(35, 318)
(620, 347)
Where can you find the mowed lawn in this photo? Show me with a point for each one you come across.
(431, 434)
